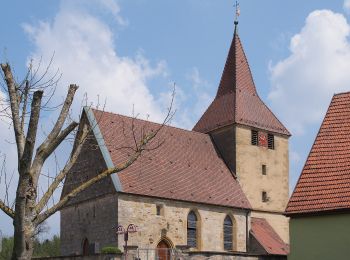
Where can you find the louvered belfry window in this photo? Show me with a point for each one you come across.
(271, 141)
(254, 137)
(192, 229)
(228, 236)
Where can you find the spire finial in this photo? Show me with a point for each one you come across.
(238, 12)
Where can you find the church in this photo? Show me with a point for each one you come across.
(218, 189)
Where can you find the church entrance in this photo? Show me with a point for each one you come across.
(163, 250)
(85, 247)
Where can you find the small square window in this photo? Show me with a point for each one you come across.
(264, 196)
(160, 210)
(263, 169)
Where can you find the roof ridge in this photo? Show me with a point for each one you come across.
(341, 93)
(148, 121)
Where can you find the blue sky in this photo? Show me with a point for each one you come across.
(131, 52)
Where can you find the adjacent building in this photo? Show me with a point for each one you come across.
(319, 207)
(219, 189)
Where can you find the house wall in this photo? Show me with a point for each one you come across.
(250, 158)
(320, 237)
(141, 211)
(224, 140)
(92, 219)
(93, 212)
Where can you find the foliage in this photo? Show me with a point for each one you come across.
(7, 245)
(110, 250)
(47, 247)
(41, 249)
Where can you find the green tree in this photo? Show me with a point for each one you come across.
(7, 245)
(45, 248)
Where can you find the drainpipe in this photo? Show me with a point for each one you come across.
(247, 232)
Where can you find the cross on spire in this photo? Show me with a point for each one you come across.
(238, 12)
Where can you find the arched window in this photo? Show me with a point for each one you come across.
(192, 229)
(228, 236)
(86, 247)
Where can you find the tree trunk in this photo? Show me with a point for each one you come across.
(23, 222)
(23, 244)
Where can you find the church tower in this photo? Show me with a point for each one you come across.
(250, 139)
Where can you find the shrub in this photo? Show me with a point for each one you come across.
(110, 250)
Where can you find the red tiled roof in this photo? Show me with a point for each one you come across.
(185, 167)
(237, 100)
(267, 237)
(324, 183)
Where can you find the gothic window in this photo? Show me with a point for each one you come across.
(271, 141)
(228, 234)
(192, 229)
(254, 140)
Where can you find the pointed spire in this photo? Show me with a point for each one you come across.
(237, 100)
(236, 72)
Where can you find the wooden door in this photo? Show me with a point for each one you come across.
(86, 247)
(163, 251)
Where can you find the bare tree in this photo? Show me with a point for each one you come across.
(23, 105)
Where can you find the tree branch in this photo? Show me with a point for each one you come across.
(44, 150)
(11, 86)
(120, 167)
(7, 210)
(32, 130)
(61, 118)
(59, 178)
(25, 101)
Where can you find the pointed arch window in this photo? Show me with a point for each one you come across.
(85, 247)
(228, 233)
(192, 229)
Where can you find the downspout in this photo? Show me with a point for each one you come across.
(247, 232)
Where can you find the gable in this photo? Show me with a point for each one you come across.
(90, 162)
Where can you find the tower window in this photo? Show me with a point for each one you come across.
(254, 140)
(263, 169)
(271, 141)
(160, 210)
(264, 197)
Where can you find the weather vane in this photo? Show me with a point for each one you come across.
(238, 12)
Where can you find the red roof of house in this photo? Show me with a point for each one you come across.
(267, 237)
(237, 100)
(324, 183)
(184, 167)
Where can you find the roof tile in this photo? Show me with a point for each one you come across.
(237, 100)
(267, 237)
(184, 167)
(324, 183)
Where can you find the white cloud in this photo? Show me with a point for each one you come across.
(318, 66)
(346, 5)
(85, 53)
(192, 103)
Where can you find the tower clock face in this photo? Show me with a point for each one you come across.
(262, 139)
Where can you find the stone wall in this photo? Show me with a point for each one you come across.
(92, 219)
(250, 159)
(172, 223)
